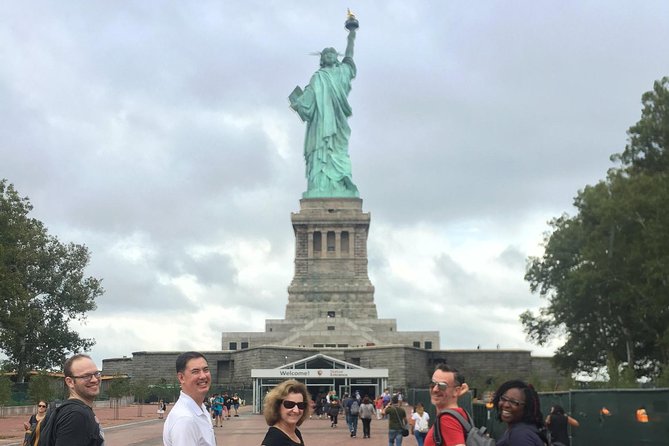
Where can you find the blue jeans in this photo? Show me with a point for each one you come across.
(394, 437)
(420, 437)
(352, 422)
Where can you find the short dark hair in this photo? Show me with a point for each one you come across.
(457, 376)
(183, 359)
(532, 409)
(67, 366)
(275, 397)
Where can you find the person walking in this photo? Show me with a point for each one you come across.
(334, 409)
(397, 421)
(420, 422)
(367, 411)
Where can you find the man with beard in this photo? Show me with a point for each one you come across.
(74, 423)
(189, 422)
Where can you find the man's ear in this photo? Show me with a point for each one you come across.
(69, 382)
(464, 388)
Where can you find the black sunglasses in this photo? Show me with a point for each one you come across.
(290, 404)
(41, 405)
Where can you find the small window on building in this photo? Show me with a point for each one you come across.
(344, 242)
(331, 345)
(428, 345)
(331, 241)
(355, 361)
(317, 242)
(331, 314)
(342, 345)
(245, 345)
(331, 327)
(233, 346)
(319, 345)
(416, 344)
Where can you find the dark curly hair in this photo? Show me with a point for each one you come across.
(532, 409)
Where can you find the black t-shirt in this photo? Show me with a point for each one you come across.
(76, 426)
(276, 437)
(558, 428)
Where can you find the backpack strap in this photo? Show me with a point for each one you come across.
(436, 432)
(466, 425)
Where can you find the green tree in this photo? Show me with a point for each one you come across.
(5, 393)
(141, 390)
(41, 387)
(604, 271)
(42, 289)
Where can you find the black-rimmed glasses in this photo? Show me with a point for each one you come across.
(89, 376)
(290, 404)
(514, 403)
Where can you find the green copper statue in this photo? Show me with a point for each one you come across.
(324, 106)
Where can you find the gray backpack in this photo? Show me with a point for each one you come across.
(473, 436)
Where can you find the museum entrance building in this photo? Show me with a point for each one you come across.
(321, 374)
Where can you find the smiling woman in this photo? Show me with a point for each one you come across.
(518, 406)
(286, 407)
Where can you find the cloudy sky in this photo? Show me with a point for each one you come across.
(159, 135)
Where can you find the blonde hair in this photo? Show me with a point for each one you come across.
(273, 400)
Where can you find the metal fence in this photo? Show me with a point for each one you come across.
(605, 416)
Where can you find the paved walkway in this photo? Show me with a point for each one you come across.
(128, 428)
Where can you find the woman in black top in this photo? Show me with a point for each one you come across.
(33, 425)
(285, 408)
(558, 424)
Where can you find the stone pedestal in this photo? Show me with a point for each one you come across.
(331, 277)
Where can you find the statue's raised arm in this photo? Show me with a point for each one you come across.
(349, 44)
(323, 105)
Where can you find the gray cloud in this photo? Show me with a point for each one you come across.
(159, 132)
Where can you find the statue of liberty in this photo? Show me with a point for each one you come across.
(324, 106)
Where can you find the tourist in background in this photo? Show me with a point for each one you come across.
(420, 420)
(34, 424)
(235, 404)
(285, 408)
(367, 411)
(378, 405)
(352, 411)
(558, 423)
(217, 409)
(518, 406)
(162, 407)
(397, 421)
(334, 409)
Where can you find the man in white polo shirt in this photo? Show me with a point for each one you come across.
(189, 422)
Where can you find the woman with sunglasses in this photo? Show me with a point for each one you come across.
(33, 425)
(285, 408)
(518, 406)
